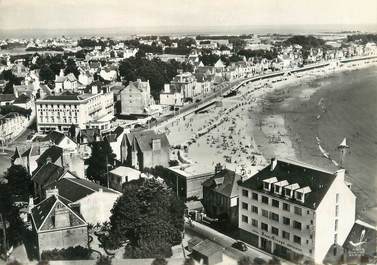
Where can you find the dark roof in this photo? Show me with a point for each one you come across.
(7, 97)
(43, 210)
(207, 248)
(22, 99)
(53, 153)
(89, 134)
(144, 139)
(304, 175)
(54, 137)
(74, 189)
(63, 97)
(47, 174)
(224, 182)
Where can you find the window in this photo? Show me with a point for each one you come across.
(297, 239)
(286, 221)
(266, 186)
(336, 225)
(296, 225)
(337, 198)
(255, 196)
(336, 239)
(254, 209)
(245, 219)
(254, 222)
(264, 213)
(307, 212)
(286, 207)
(274, 231)
(298, 210)
(245, 206)
(286, 235)
(245, 193)
(337, 210)
(288, 193)
(299, 196)
(275, 203)
(277, 189)
(264, 199)
(264, 227)
(274, 217)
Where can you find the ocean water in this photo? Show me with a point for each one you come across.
(350, 103)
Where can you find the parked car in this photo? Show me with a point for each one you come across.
(240, 246)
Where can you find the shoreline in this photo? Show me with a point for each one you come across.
(241, 140)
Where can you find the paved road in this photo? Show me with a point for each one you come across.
(206, 232)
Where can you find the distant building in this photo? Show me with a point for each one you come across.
(136, 98)
(295, 210)
(7, 99)
(115, 139)
(65, 82)
(27, 157)
(120, 175)
(220, 196)
(208, 252)
(58, 226)
(11, 125)
(82, 110)
(61, 140)
(145, 149)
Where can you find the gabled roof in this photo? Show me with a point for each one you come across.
(48, 173)
(22, 99)
(54, 137)
(71, 77)
(53, 153)
(145, 138)
(7, 97)
(74, 189)
(207, 248)
(42, 212)
(224, 182)
(318, 180)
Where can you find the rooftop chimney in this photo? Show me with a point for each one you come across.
(273, 163)
(52, 192)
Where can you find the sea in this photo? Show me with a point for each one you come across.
(344, 105)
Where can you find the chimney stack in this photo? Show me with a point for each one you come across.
(274, 162)
(340, 174)
(52, 192)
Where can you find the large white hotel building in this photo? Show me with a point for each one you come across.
(89, 110)
(295, 210)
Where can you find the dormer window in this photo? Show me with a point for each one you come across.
(267, 183)
(278, 186)
(288, 193)
(288, 190)
(301, 193)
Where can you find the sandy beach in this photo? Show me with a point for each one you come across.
(245, 131)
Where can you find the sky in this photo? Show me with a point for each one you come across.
(79, 14)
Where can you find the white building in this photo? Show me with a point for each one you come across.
(83, 110)
(11, 125)
(295, 210)
(136, 98)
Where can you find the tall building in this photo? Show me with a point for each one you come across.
(90, 110)
(295, 210)
(136, 98)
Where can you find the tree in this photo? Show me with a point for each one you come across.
(103, 260)
(46, 74)
(102, 155)
(159, 261)
(245, 260)
(71, 68)
(149, 217)
(19, 181)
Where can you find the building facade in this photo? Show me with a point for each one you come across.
(11, 125)
(62, 111)
(296, 211)
(136, 98)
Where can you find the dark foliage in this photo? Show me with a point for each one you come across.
(149, 217)
(11, 108)
(71, 253)
(102, 156)
(362, 38)
(259, 54)
(307, 42)
(103, 260)
(245, 260)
